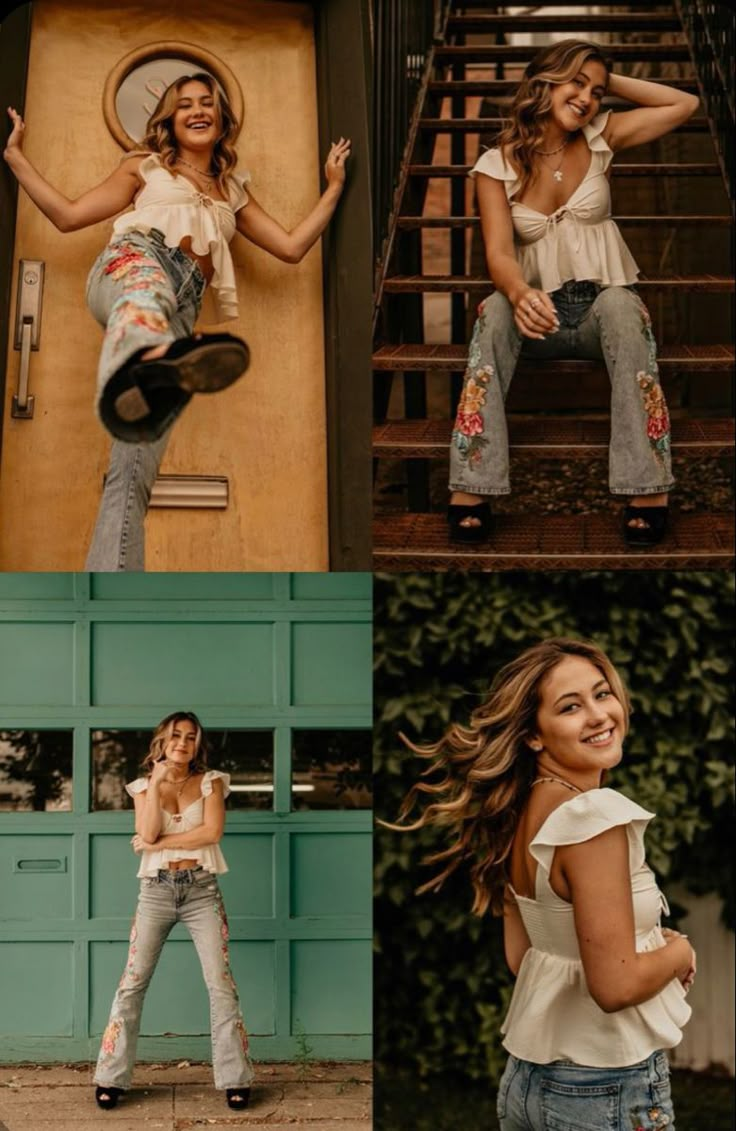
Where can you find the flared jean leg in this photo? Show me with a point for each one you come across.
(134, 300)
(231, 1062)
(618, 325)
(118, 539)
(117, 1050)
(479, 449)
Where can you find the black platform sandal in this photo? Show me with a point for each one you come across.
(237, 1098)
(107, 1098)
(145, 396)
(456, 512)
(655, 529)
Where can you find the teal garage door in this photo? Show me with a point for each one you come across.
(278, 667)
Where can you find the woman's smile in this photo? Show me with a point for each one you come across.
(580, 723)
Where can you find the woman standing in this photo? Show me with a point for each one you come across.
(179, 820)
(146, 287)
(600, 990)
(564, 281)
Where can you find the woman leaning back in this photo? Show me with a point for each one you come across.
(600, 989)
(564, 281)
(179, 820)
(146, 287)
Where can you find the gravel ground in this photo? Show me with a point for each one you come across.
(562, 487)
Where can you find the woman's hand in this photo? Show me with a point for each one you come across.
(535, 314)
(335, 164)
(686, 973)
(15, 140)
(141, 845)
(158, 771)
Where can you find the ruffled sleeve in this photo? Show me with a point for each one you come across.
(137, 786)
(208, 779)
(585, 817)
(148, 164)
(238, 196)
(493, 164)
(596, 143)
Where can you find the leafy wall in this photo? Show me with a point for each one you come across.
(442, 985)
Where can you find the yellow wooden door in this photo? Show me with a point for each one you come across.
(266, 434)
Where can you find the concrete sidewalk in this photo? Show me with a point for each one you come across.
(317, 1096)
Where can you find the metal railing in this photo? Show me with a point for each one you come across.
(403, 32)
(710, 30)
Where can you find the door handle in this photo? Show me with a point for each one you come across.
(28, 306)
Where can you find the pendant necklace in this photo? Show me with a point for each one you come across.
(556, 173)
(177, 816)
(209, 181)
(561, 781)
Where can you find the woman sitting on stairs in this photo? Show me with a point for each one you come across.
(564, 281)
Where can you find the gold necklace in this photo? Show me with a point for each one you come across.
(180, 790)
(208, 180)
(561, 782)
(556, 173)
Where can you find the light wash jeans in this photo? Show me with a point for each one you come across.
(189, 896)
(609, 323)
(566, 1097)
(143, 294)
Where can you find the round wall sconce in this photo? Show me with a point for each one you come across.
(136, 83)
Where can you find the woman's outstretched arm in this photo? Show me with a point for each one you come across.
(291, 246)
(101, 202)
(661, 109)
(597, 872)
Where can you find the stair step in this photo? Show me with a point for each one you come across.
(490, 87)
(640, 169)
(548, 437)
(421, 356)
(413, 222)
(488, 125)
(476, 285)
(547, 542)
(522, 53)
(613, 21)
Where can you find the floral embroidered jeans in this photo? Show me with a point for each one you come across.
(609, 323)
(567, 1097)
(143, 294)
(189, 896)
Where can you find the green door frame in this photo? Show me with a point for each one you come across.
(342, 42)
(294, 926)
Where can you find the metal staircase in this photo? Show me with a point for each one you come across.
(671, 205)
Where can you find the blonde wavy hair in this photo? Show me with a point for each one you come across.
(159, 136)
(522, 137)
(487, 769)
(162, 735)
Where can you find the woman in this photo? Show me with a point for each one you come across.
(564, 281)
(179, 820)
(147, 285)
(600, 986)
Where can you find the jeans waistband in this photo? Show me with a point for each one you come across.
(179, 875)
(577, 291)
(157, 237)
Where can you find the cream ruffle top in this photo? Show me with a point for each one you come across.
(579, 240)
(174, 206)
(210, 855)
(552, 1015)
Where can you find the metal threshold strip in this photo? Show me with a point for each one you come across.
(201, 491)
